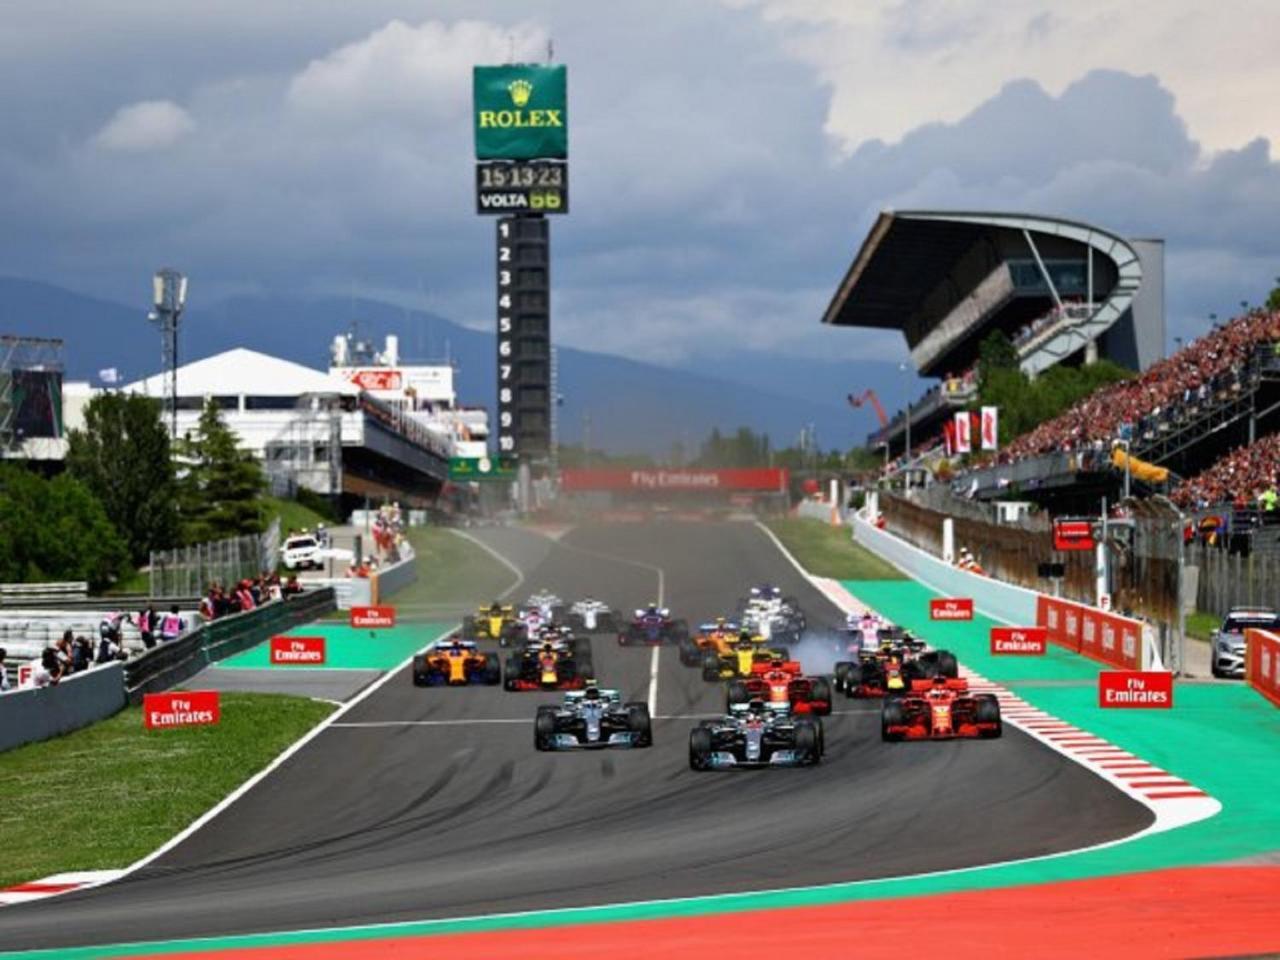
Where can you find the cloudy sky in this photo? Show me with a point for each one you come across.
(727, 155)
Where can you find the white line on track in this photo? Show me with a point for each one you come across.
(376, 724)
(497, 556)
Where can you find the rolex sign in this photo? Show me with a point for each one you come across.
(520, 113)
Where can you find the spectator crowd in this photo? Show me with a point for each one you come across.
(1207, 370)
(248, 594)
(1245, 477)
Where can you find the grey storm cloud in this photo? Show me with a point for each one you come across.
(334, 155)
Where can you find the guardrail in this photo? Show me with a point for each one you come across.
(171, 663)
(38, 713)
(1112, 639)
(23, 592)
(397, 576)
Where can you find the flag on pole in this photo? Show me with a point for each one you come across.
(949, 437)
(990, 428)
(109, 375)
(963, 444)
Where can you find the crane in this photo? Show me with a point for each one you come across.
(863, 397)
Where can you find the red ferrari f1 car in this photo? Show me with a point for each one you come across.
(940, 709)
(781, 681)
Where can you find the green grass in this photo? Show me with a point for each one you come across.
(102, 797)
(452, 571)
(135, 581)
(828, 551)
(293, 515)
(1200, 625)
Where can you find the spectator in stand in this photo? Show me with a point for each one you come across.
(172, 625)
(208, 604)
(1245, 475)
(4, 673)
(147, 621)
(111, 626)
(291, 586)
(49, 671)
(81, 654)
(1208, 369)
(244, 596)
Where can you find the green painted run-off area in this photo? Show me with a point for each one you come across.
(347, 648)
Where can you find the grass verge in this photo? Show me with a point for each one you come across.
(827, 551)
(102, 797)
(1200, 625)
(293, 515)
(452, 571)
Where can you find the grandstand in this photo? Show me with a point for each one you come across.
(1063, 291)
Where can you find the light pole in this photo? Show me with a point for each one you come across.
(906, 453)
(169, 297)
(1128, 465)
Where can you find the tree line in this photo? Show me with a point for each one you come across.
(126, 490)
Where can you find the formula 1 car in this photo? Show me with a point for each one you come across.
(717, 636)
(550, 606)
(593, 616)
(890, 668)
(942, 708)
(775, 617)
(592, 718)
(455, 663)
(751, 735)
(653, 625)
(740, 660)
(782, 682)
(494, 622)
(544, 667)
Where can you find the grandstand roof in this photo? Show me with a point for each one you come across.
(243, 371)
(947, 277)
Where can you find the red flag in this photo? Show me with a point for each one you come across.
(990, 428)
(962, 425)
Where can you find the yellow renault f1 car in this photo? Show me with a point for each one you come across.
(493, 622)
(740, 660)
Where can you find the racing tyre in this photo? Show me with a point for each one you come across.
(513, 673)
(699, 748)
(544, 728)
(689, 653)
(639, 723)
(808, 747)
(947, 665)
(842, 673)
(419, 671)
(987, 710)
(853, 680)
(737, 693)
(679, 631)
(891, 715)
(710, 667)
(492, 672)
(820, 695)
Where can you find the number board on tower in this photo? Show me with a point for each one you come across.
(524, 337)
(525, 186)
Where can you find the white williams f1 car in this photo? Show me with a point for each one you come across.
(593, 616)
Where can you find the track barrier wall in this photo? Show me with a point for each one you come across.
(1105, 637)
(38, 713)
(170, 664)
(396, 577)
(1111, 639)
(1262, 663)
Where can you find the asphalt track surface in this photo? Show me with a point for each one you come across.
(433, 803)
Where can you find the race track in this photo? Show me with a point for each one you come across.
(433, 803)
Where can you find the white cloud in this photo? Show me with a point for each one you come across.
(895, 65)
(148, 125)
(423, 69)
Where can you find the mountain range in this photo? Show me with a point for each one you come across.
(632, 405)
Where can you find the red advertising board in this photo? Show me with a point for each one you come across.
(373, 616)
(1262, 663)
(376, 379)
(192, 708)
(951, 608)
(1073, 535)
(767, 480)
(26, 675)
(1106, 637)
(1135, 689)
(297, 651)
(1018, 641)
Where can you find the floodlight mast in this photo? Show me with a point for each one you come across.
(169, 299)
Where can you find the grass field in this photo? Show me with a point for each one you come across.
(293, 515)
(828, 551)
(1200, 625)
(452, 571)
(104, 796)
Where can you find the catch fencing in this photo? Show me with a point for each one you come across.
(1229, 580)
(188, 571)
